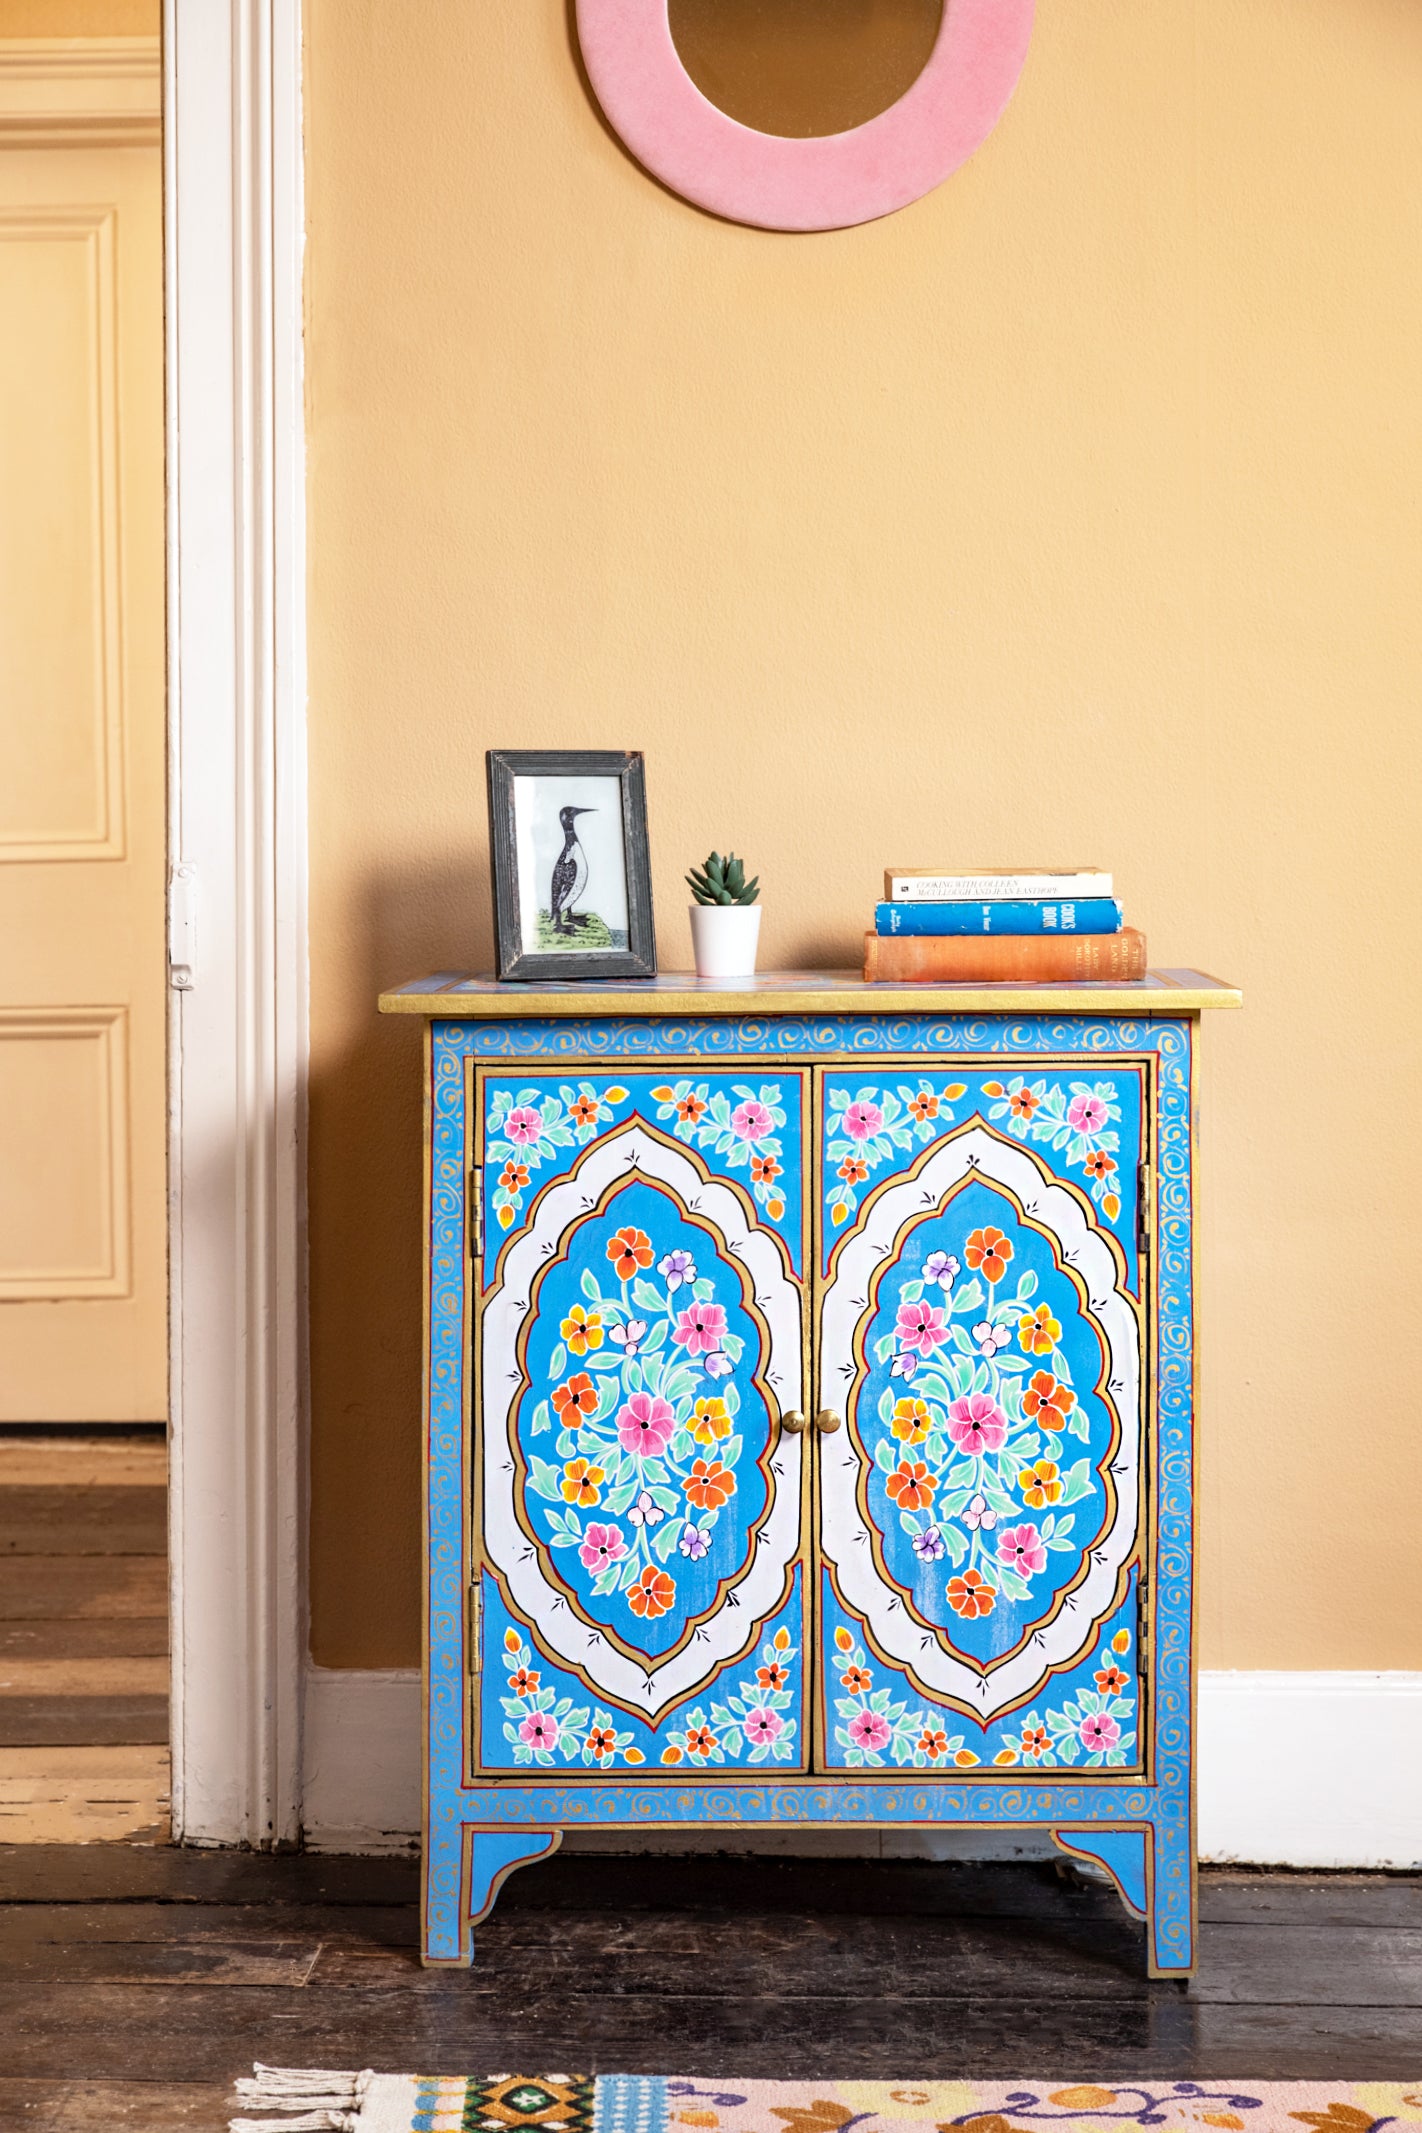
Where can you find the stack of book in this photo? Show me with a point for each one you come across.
(1038, 927)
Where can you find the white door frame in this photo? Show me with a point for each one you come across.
(237, 826)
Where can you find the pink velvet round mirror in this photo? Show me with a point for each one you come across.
(803, 114)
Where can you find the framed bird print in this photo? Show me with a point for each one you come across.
(571, 871)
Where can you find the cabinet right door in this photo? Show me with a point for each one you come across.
(982, 1513)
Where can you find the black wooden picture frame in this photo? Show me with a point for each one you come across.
(538, 940)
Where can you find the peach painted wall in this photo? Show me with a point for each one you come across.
(1072, 514)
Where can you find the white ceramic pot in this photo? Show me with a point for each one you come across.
(723, 939)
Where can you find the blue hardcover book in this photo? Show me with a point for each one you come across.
(1088, 914)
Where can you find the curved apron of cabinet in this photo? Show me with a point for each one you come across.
(829, 181)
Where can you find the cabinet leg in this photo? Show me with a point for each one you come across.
(455, 1903)
(1154, 1878)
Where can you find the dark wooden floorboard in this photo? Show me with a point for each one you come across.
(79, 1587)
(135, 1637)
(83, 1721)
(115, 2106)
(91, 1521)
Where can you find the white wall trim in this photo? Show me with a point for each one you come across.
(238, 1046)
(1317, 1770)
(58, 92)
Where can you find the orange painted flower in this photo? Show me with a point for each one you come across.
(854, 1170)
(581, 1482)
(1022, 1103)
(1040, 1483)
(513, 1177)
(1046, 1401)
(582, 1329)
(1038, 1331)
(913, 1419)
(841, 1637)
(924, 1105)
(577, 1397)
(773, 1676)
(911, 1486)
(629, 1250)
(522, 1682)
(764, 1169)
(856, 1680)
(710, 1421)
(700, 1741)
(971, 1595)
(933, 1743)
(988, 1250)
(1111, 1680)
(602, 1742)
(583, 1110)
(690, 1108)
(1035, 1741)
(709, 1485)
(671, 1753)
(1098, 1164)
(652, 1595)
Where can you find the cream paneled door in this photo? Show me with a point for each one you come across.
(83, 1302)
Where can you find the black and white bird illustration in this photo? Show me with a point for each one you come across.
(570, 873)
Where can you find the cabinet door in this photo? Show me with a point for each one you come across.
(980, 1329)
(640, 1332)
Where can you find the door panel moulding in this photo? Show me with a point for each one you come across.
(82, 92)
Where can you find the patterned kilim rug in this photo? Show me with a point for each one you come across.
(313, 2101)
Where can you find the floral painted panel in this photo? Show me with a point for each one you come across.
(876, 1717)
(745, 1127)
(637, 1352)
(531, 1713)
(1086, 1116)
(981, 1332)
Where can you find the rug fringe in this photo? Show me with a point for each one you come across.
(328, 2101)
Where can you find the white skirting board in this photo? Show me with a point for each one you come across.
(1308, 1770)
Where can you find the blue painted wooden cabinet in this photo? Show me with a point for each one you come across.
(809, 1408)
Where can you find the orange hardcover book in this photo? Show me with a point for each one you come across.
(1006, 959)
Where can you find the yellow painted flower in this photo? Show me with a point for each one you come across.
(512, 1640)
(781, 1640)
(581, 1481)
(1038, 1331)
(1040, 1484)
(841, 1637)
(710, 1421)
(1121, 1642)
(582, 1329)
(912, 1421)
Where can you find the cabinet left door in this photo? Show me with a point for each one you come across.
(639, 1331)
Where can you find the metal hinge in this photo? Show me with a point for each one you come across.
(475, 1222)
(476, 1624)
(1143, 1629)
(1143, 1205)
(182, 926)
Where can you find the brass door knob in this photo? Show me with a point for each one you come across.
(794, 1421)
(827, 1420)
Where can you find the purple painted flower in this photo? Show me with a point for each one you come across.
(903, 1366)
(1022, 1549)
(1098, 1733)
(1087, 1113)
(699, 1328)
(523, 1125)
(540, 1730)
(868, 1730)
(645, 1425)
(761, 1726)
(718, 1365)
(676, 1268)
(943, 1268)
(601, 1546)
(922, 1327)
(977, 1424)
(928, 1547)
(862, 1120)
(751, 1121)
(693, 1543)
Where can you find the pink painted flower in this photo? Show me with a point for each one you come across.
(699, 1328)
(601, 1546)
(751, 1121)
(645, 1425)
(922, 1327)
(523, 1125)
(868, 1730)
(762, 1726)
(540, 1730)
(862, 1121)
(977, 1424)
(1098, 1733)
(1086, 1113)
(1021, 1548)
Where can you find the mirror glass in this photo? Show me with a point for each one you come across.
(804, 67)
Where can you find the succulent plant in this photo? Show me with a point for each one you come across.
(722, 881)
